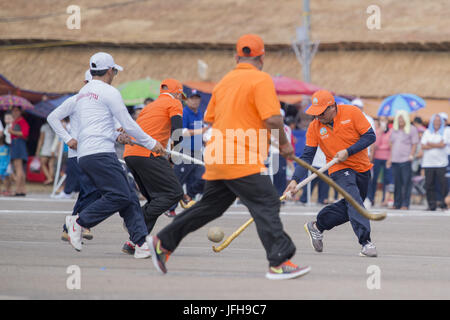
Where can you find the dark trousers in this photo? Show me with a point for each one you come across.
(108, 176)
(73, 172)
(402, 183)
(158, 184)
(323, 191)
(431, 176)
(88, 192)
(356, 184)
(258, 195)
(191, 174)
(378, 165)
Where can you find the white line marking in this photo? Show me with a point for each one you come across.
(406, 214)
(36, 200)
(34, 212)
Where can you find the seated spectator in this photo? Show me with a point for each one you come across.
(19, 131)
(403, 140)
(435, 160)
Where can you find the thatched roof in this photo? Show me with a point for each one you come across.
(359, 73)
(213, 21)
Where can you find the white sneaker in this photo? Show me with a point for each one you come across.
(75, 232)
(369, 250)
(142, 252)
(367, 204)
(63, 195)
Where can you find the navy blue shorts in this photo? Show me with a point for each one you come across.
(19, 149)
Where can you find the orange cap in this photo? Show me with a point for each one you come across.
(320, 101)
(173, 86)
(252, 42)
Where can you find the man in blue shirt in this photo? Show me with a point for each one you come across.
(189, 173)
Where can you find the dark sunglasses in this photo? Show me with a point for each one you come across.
(115, 71)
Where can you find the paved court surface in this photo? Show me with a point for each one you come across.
(413, 262)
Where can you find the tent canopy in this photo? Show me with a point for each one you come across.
(6, 87)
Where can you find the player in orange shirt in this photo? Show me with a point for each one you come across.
(343, 132)
(152, 172)
(243, 106)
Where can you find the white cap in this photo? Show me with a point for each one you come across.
(103, 61)
(443, 115)
(87, 75)
(358, 103)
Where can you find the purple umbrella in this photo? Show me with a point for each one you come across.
(8, 100)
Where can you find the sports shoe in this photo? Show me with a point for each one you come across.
(128, 247)
(367, 204)
(142, 252)
(159, 254)
(87, 234)
(170, 213)
(368, 250)
(315, 236)
(286, 270)
(63, 195)
(74, 231)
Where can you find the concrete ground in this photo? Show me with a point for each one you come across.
(413, 262)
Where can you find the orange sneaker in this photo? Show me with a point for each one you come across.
(286, 270)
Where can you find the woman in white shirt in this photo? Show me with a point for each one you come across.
(46, 153)
(435, 160)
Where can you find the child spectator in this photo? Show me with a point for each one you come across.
(5, 166)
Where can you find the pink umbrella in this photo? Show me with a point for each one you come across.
(8, 100)
(285, 85)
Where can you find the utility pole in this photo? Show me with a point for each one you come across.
(305, 49)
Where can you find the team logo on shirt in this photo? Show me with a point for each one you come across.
(323, 131)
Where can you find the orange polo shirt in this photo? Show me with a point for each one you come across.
(239, 104)
(154, 119)
(348, 126)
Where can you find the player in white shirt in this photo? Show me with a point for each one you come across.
(97, 104)
(88, 192)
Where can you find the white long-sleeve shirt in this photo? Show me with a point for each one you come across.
(67, 109)
(98, 104)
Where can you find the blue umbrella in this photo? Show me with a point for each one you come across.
(341, 100)
(402, 101)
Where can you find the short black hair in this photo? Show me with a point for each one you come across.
(98, 73)
(418, 120)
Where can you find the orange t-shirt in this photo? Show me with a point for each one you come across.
(348, 126)
(154, 119)
(239, 104)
